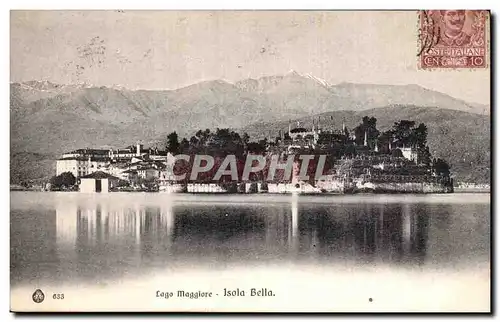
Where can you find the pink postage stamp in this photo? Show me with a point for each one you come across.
(453, 39)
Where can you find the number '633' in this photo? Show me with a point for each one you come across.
(58, 296)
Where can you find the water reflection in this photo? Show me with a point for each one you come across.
(372, 232)
(389, 232)
(105, 240)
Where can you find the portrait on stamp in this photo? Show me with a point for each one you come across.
(452, 28)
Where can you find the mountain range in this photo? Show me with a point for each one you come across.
(48, 119)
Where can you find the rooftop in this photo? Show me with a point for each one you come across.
(299, 130)
(91, 151)
(99, 175)
(82, 158)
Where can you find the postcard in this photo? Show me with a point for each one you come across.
(250, 161)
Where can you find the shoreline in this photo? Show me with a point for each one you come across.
(456, 191)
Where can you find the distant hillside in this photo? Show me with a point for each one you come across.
(48, 119)
(37, 167)
(296, 92)
(463, 139)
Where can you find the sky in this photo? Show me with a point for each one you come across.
(172, 49)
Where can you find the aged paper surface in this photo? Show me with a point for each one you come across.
(250, 161)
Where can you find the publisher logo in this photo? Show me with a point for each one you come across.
(38, 296)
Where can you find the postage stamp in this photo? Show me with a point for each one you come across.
(453, 39)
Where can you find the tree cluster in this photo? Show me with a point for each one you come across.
(404, 133)
(221, 142)
(65, 180)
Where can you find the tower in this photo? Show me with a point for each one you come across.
(376, 146)
(366, 139)
(289, 128)
(138, 149)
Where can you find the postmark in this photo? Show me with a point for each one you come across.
(453, 39)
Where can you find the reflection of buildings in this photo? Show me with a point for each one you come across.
(93, 225)
(66, 224)
(389, 232)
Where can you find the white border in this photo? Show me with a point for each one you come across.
(190, 4)
(253, 5)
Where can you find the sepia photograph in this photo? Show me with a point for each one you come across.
(250, 161)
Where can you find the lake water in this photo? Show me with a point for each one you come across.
(118, 251)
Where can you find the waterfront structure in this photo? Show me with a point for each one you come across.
(97, 182)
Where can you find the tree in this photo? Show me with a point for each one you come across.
(420, 138)
(424, 156)
(255, 147)
(441, 168)
(346, 133)
(68, 179)
(203, 136)
(332, 142)
(193, 141)
(55, 181)
(403, 132)
(368, 126)
(263, 144)
(184, 145)
(245, 138)
(420, 135)
(64, 180)
(384, 139)
(173, 143)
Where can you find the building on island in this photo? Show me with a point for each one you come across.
(97, 182)
(128, 152)
(85, 153)
(409, 154)
(301, 137)
(357, 159)
(80, 166)
(83, 162)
